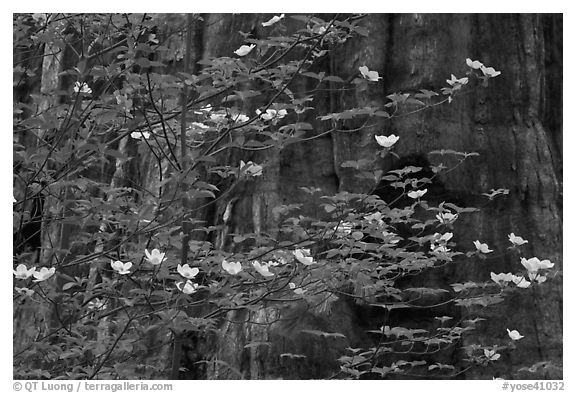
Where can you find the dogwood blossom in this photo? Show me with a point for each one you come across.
(482, 247)
(501, 277)
(319, 29)
(189, 287)
(520, 281)
(475, 64)
(439, 242)
(516, 240)
(82, 88)
(455, 81)
(303, 256)
(446, 218)
(203, 110)
(155, 257)
(438, 249)
(96, 304)
(241, 118)
(22, 272)
(272, 114)
(297, 291)
(514, 334)
(25, 291)
(274, 19)
(262, 269)
(369, 75)
(120, 267)
(375, 217)
(491, 354)
(443, 238)
(390, 237)
(250, 168)
(386, 141)
(490, 71)
(344, 228)
(231, 267)
(139, 135)
(244, 50)
(417, 193)
(534, 264)
(187, 272)
(44, 274)
(218, 116)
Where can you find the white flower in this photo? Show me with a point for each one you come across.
(532, 265)
(297, 291)
(189, 288)
(446, 218)
(474, 64)
(455, 81)
(250, 168)
(374, 217)
(516, 240)
(244, 50)
(514, 335)
(96, 304)
(156, 257)
(218, 116)
(82, 88)
(445, 237)
(540, 279)
(490, 72)
(491, 354)
(386, 141)
(520, 282)
(273, 20)
(25, 291)
(272, 114)
(231, 267)
(390, 237)
(438, 243)
(198, 125)
(44, 274)
(369, 75)
(482, 247)
(501, 277)
(438, 249)
(319, 29)
(121, 268)
(417, 194)
(262, 269)
(303, 256)
(344, 228)
(187, 272)
(22, 272)
(203, 110)
(241, 118)
(139, 135)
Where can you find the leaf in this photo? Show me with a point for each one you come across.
(323, 334)
(69, 285)
(256, 344)
(357, 235)
(292, 355)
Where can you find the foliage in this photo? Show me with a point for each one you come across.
(133, 267)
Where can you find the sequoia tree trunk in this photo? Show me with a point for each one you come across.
(515, 124)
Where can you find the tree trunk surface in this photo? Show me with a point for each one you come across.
(515, 124)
